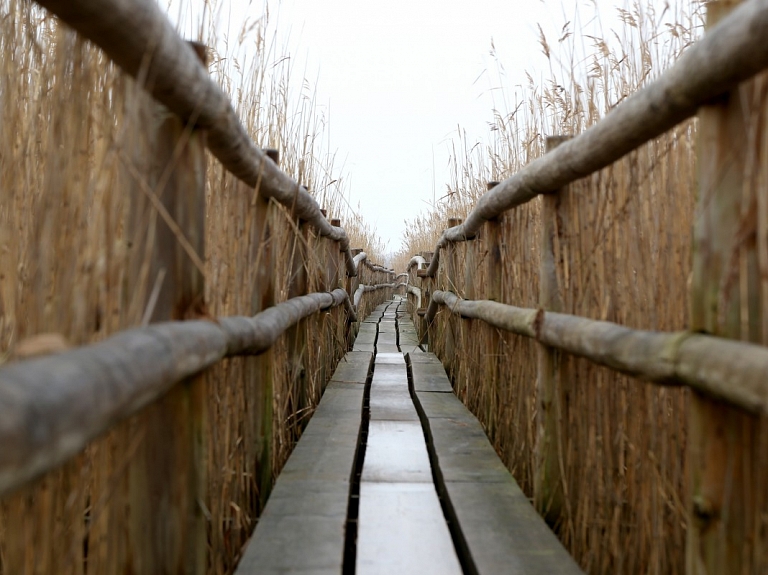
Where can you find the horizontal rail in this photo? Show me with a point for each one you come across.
(52, 407)
(140, 39)
(733, 51)
(729, 370)
(417, 261)
(361, 289)
(362, 257)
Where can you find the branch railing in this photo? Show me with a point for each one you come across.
(728, 378)
(52, 407)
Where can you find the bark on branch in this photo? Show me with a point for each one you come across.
(730, 370)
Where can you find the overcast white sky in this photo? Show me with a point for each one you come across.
(397, 78)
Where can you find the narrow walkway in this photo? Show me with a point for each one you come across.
(394, 475)
(402, 528)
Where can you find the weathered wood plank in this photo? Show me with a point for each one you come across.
(402, 530)
(500, 530)
(353, 367)
(396, 452)
(302, 528)
(503, 532)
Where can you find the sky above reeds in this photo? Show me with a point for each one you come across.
(398, 80)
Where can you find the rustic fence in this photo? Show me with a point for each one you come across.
(153, 449)
(634, 478)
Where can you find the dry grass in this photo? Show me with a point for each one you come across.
(74, 149)
(622, 252)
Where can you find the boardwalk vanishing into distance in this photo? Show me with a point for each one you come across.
(394, 475)
(247, 392)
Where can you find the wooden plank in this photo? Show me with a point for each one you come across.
(354, 367)
(402, 530)
(500, 530)
(394, 358)
(503, 533)
(302, 528)
(428, 374)
(396, 452)
(392, 405)
(387, 348)
(464, 452)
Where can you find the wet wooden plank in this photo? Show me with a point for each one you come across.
(402, 531)
(392, 405)
(396, 452)
(391, 358)
(387, 348)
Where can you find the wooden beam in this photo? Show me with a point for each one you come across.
(548, 489)
(727, 448)
(731, 371)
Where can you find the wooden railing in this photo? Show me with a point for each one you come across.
(52, 407)
(726, 438)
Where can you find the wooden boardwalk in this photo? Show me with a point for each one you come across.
(394, 475)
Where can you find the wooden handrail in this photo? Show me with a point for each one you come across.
(362, 258)
(140, 39)
(733, 51)
(361, 289)
(52, 407)
(730, 370)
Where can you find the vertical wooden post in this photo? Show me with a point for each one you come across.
(261, 368)
(547, 481)
(448, 282)
(336, 267)
(166, 527)
(296, 336)
(728, 449)
(494, 273)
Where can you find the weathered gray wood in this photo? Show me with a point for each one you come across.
(732, 52)
(52, 407)
(500, 530)
(302, 527)
(392, 405)
(503, 532)
(396, 453)
(548, 490)
(140, 39)
(167, 472)
(729, 370)
(402, 531)
(353, 367)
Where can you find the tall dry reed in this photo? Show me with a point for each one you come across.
(622, 252)
(74, 150)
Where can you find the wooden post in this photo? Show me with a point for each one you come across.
(448, 282)
(547, 481)
(296, 336)
(494, 273)
(166, 526)
(728, 449)
(335, 262)
(260, 369)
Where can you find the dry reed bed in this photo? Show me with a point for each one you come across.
(73, 156)
(622, 253)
